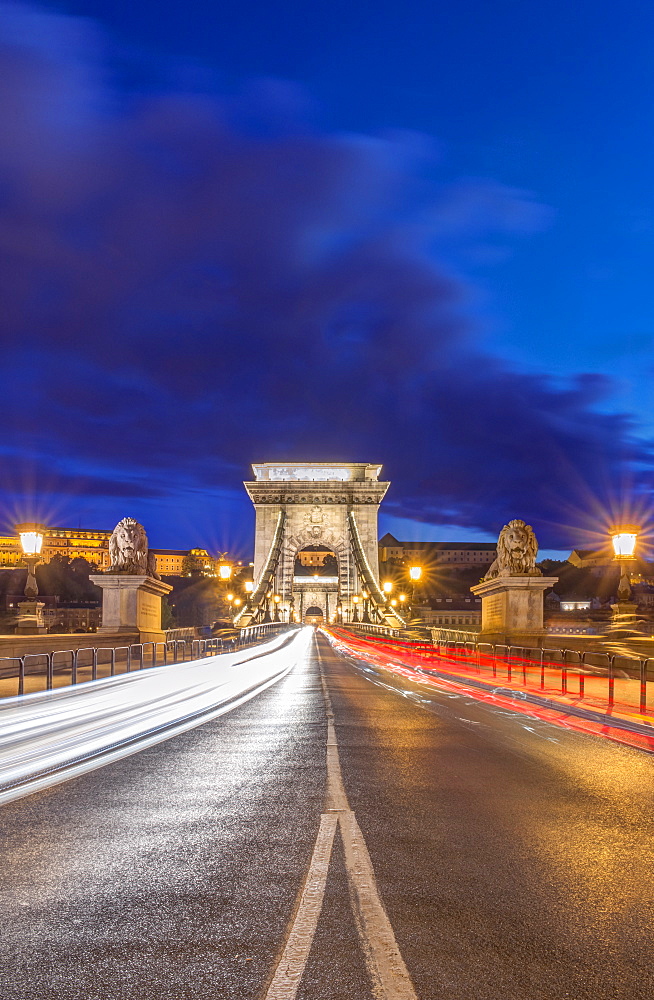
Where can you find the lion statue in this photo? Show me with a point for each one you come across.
(516, 551)
(128, 548)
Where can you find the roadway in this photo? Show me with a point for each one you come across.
(511, 859)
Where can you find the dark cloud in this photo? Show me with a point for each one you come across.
(192, 282)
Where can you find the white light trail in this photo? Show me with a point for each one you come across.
(51, 736)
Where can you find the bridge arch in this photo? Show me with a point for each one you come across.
(306, 504)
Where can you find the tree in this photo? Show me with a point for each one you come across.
(168, 619)
(330, 566)
(199, 601)
(68, 579)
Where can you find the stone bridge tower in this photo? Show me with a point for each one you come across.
(321, 505)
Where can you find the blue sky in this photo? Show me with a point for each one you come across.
(458, 208)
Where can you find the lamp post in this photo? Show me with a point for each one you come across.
(623, 539)
(276, 600)
(355, 611)
(387, 588)
(31, 611)
(225, 571)
(248, 588)
(366, 616)
(415, 573)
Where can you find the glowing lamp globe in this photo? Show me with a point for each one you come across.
(31, 538)
(415, 572)
(249, 586)
(388, 586)
(225, 571)
(623, 539)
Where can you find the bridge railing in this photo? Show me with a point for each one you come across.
(373, 629)
(187, 632)
(76, 666)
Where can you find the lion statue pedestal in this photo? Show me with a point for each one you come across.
(512, 609)
(512, 591)
(131, 604)
(131, 590)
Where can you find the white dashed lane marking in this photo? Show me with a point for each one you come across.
(390, 979)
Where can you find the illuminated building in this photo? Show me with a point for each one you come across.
(313, 556)
(73, 543)
(590, 558)
(453, 555)
(80, 543)
(462, 612)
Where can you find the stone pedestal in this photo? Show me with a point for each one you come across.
(512, 609)
(624, 621)
(131, 604)
(623, 608)
(30, 618)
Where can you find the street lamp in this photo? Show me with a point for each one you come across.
(366, 617)
(31, 541)
(225, 571)
(355, 612)
(387, 586)
(249, 586)
(31, 611)
(276, 600)
(415, 573)
(623, 539)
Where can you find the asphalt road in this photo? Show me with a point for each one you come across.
(513, 859)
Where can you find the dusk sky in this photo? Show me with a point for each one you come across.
(413, 233)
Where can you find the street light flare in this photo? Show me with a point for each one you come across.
(31, 538)
(624, 539)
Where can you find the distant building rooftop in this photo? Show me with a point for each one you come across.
(390, 541)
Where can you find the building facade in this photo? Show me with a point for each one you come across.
(74, 543)
(453, 555)
(459, 612)
(590, 558)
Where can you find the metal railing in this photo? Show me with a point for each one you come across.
(440, 633)
(372, 629)
(255, 633)
(187, 632)
(92, 662)
(574, 669)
